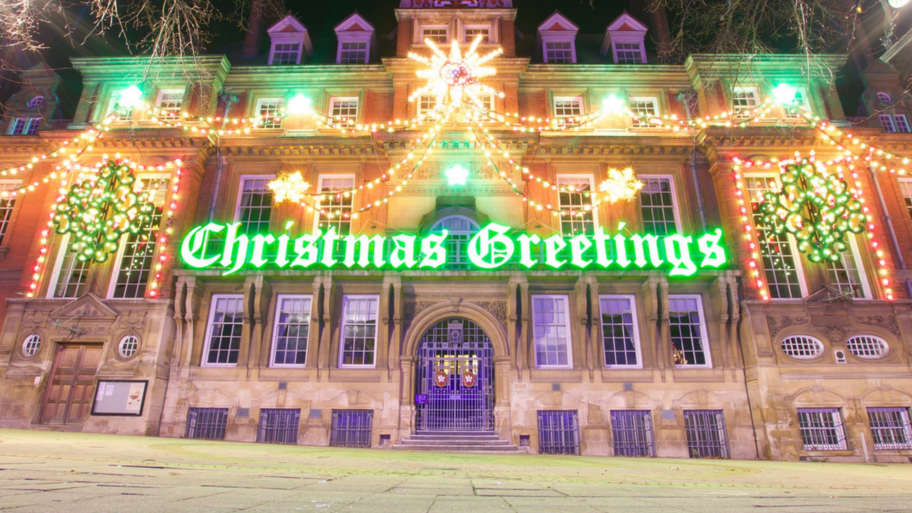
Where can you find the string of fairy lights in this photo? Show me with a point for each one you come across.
(453, 80)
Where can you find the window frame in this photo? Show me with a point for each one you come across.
(901, 128)
(236, 217)
(578, 99)
(275, 331)
(272, 51)
(567, 325)
(883, 126)
(320, 178)
(641, 47)
(853, 247)
(839, 425)
(13, 199)
(333, 100)
(62, 250)
(592, 193)
(29, 127)
(477, 26)
(754, 92)
(367, 49)
(258, 108)
(636, 331)
(204, 357)
(436, 26)
(704, 333)
(801, 97)
(656, 105)
(884, 97)
(170, 90)
(906, 427)
(552, 40)
(676, 209)
(341, 352)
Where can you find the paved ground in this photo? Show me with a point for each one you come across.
(75, 473)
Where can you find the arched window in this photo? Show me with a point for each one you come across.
(30, 345)
(884, 98)
(867, 346)
(460, 229)
(802, 347)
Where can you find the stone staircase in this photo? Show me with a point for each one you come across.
(458, 442)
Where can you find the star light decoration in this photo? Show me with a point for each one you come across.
(620, 185)
(815, 206)
(289, 187)
(454, 78)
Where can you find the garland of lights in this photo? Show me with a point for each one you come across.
(816, 207)
(101, 208)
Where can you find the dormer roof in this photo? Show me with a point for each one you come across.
(557, 22)
(455, 4)
(289, 29)
(355, 23)
(625, 28)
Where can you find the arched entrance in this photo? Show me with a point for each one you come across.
(455, 378)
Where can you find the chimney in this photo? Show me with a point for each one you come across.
(659, 19)
(254, 26)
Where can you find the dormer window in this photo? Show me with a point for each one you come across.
(289, 40)
(558, 40)
(356, 39)
(625, 37)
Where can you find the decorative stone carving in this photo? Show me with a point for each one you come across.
(835, 334)
(884, 322)
(88, 308)
(778, 324)
(496, 308)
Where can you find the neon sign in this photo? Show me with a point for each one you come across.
(492, 248)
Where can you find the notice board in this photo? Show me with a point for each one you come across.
(120, 398)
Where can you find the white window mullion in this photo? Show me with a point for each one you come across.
(358, 337)
(291, 330)
(551, 331)
(620, 334)
(687, 326)
(223, 335)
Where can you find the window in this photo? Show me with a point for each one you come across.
(798, 107)
(886, 122)
(628, 53)
(128, 346)
(254, 209)
(278, 426)
(351, 428)
(207, 423)
(620, 336)
(558, 432)
(821, 429)
(354, 52)
(631, 431)
(31, 345)
(169, 104)
(292, 330)
(645, 110)
(867, 346)
(437, 34)
(574, 196)
(484, 101)
(744, 99)
(890, 428)
(658, 206)
(559, 52)
(359, 331)
(24, 126)
(226, 320)
(902, 124)
(884, 98)
(270, 113)
(427, 107)
(35, 102)
(7, 204)
(905, 185)
(568, 107)
(705, 431)
(845, 274)
(460, 231)
(688, 334)
(344, 108)
(285, 53)
(473, 32)
(777, 252)
(802, 347)
(337, 202)
(551, 325)
(136, 258)
(72, 273)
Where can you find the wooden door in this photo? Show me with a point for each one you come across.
(68, 398)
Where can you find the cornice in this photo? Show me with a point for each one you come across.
(300, 150)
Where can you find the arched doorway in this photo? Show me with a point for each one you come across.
(455, 377)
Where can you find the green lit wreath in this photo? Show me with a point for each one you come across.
(100, 208)
(816, 207)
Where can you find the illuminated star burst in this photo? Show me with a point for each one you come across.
(454, 78)
(289, 187)
(620, 185)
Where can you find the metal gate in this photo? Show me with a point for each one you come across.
(455, 378)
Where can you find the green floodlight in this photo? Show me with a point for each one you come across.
(299, 104)
(130, 96)
(457, 175)
(613, 105)
(785, 94)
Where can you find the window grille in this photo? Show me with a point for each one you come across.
(628, 53)
(777, 252)
(460, 230)
(632, 433)
(292, 330)
(353, 53)
(902, 124)
(285, 53)
(688, 340)
(169, 104)
(255, 206)
(821, 429)
(619, 333)
(270, 113)
(560, 52)
(705, 431)
(657, 206)
(337, 201)
(744, 100)
(473, 32)
(802, 347)
(73, 273)
(351, 428)
(885, 98)
(645, 110)
(344, 108)
(136, 259)
(226, 321)
(551, 325)
(24, 126)
(128, 346)
(574, 196)
(6, 206)
(359, 330)
(558, 432)
(867, 346)
(886, 123)
(207, 423)
(890, 428)
(30, 345)
(435, 34)
(844, 275)
(279, 426)
(36, 101)
(568, 107)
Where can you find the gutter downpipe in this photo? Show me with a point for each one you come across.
(229, 99)
(685, 98)
(889, 222)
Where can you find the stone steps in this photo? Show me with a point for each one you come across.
(457, 442)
